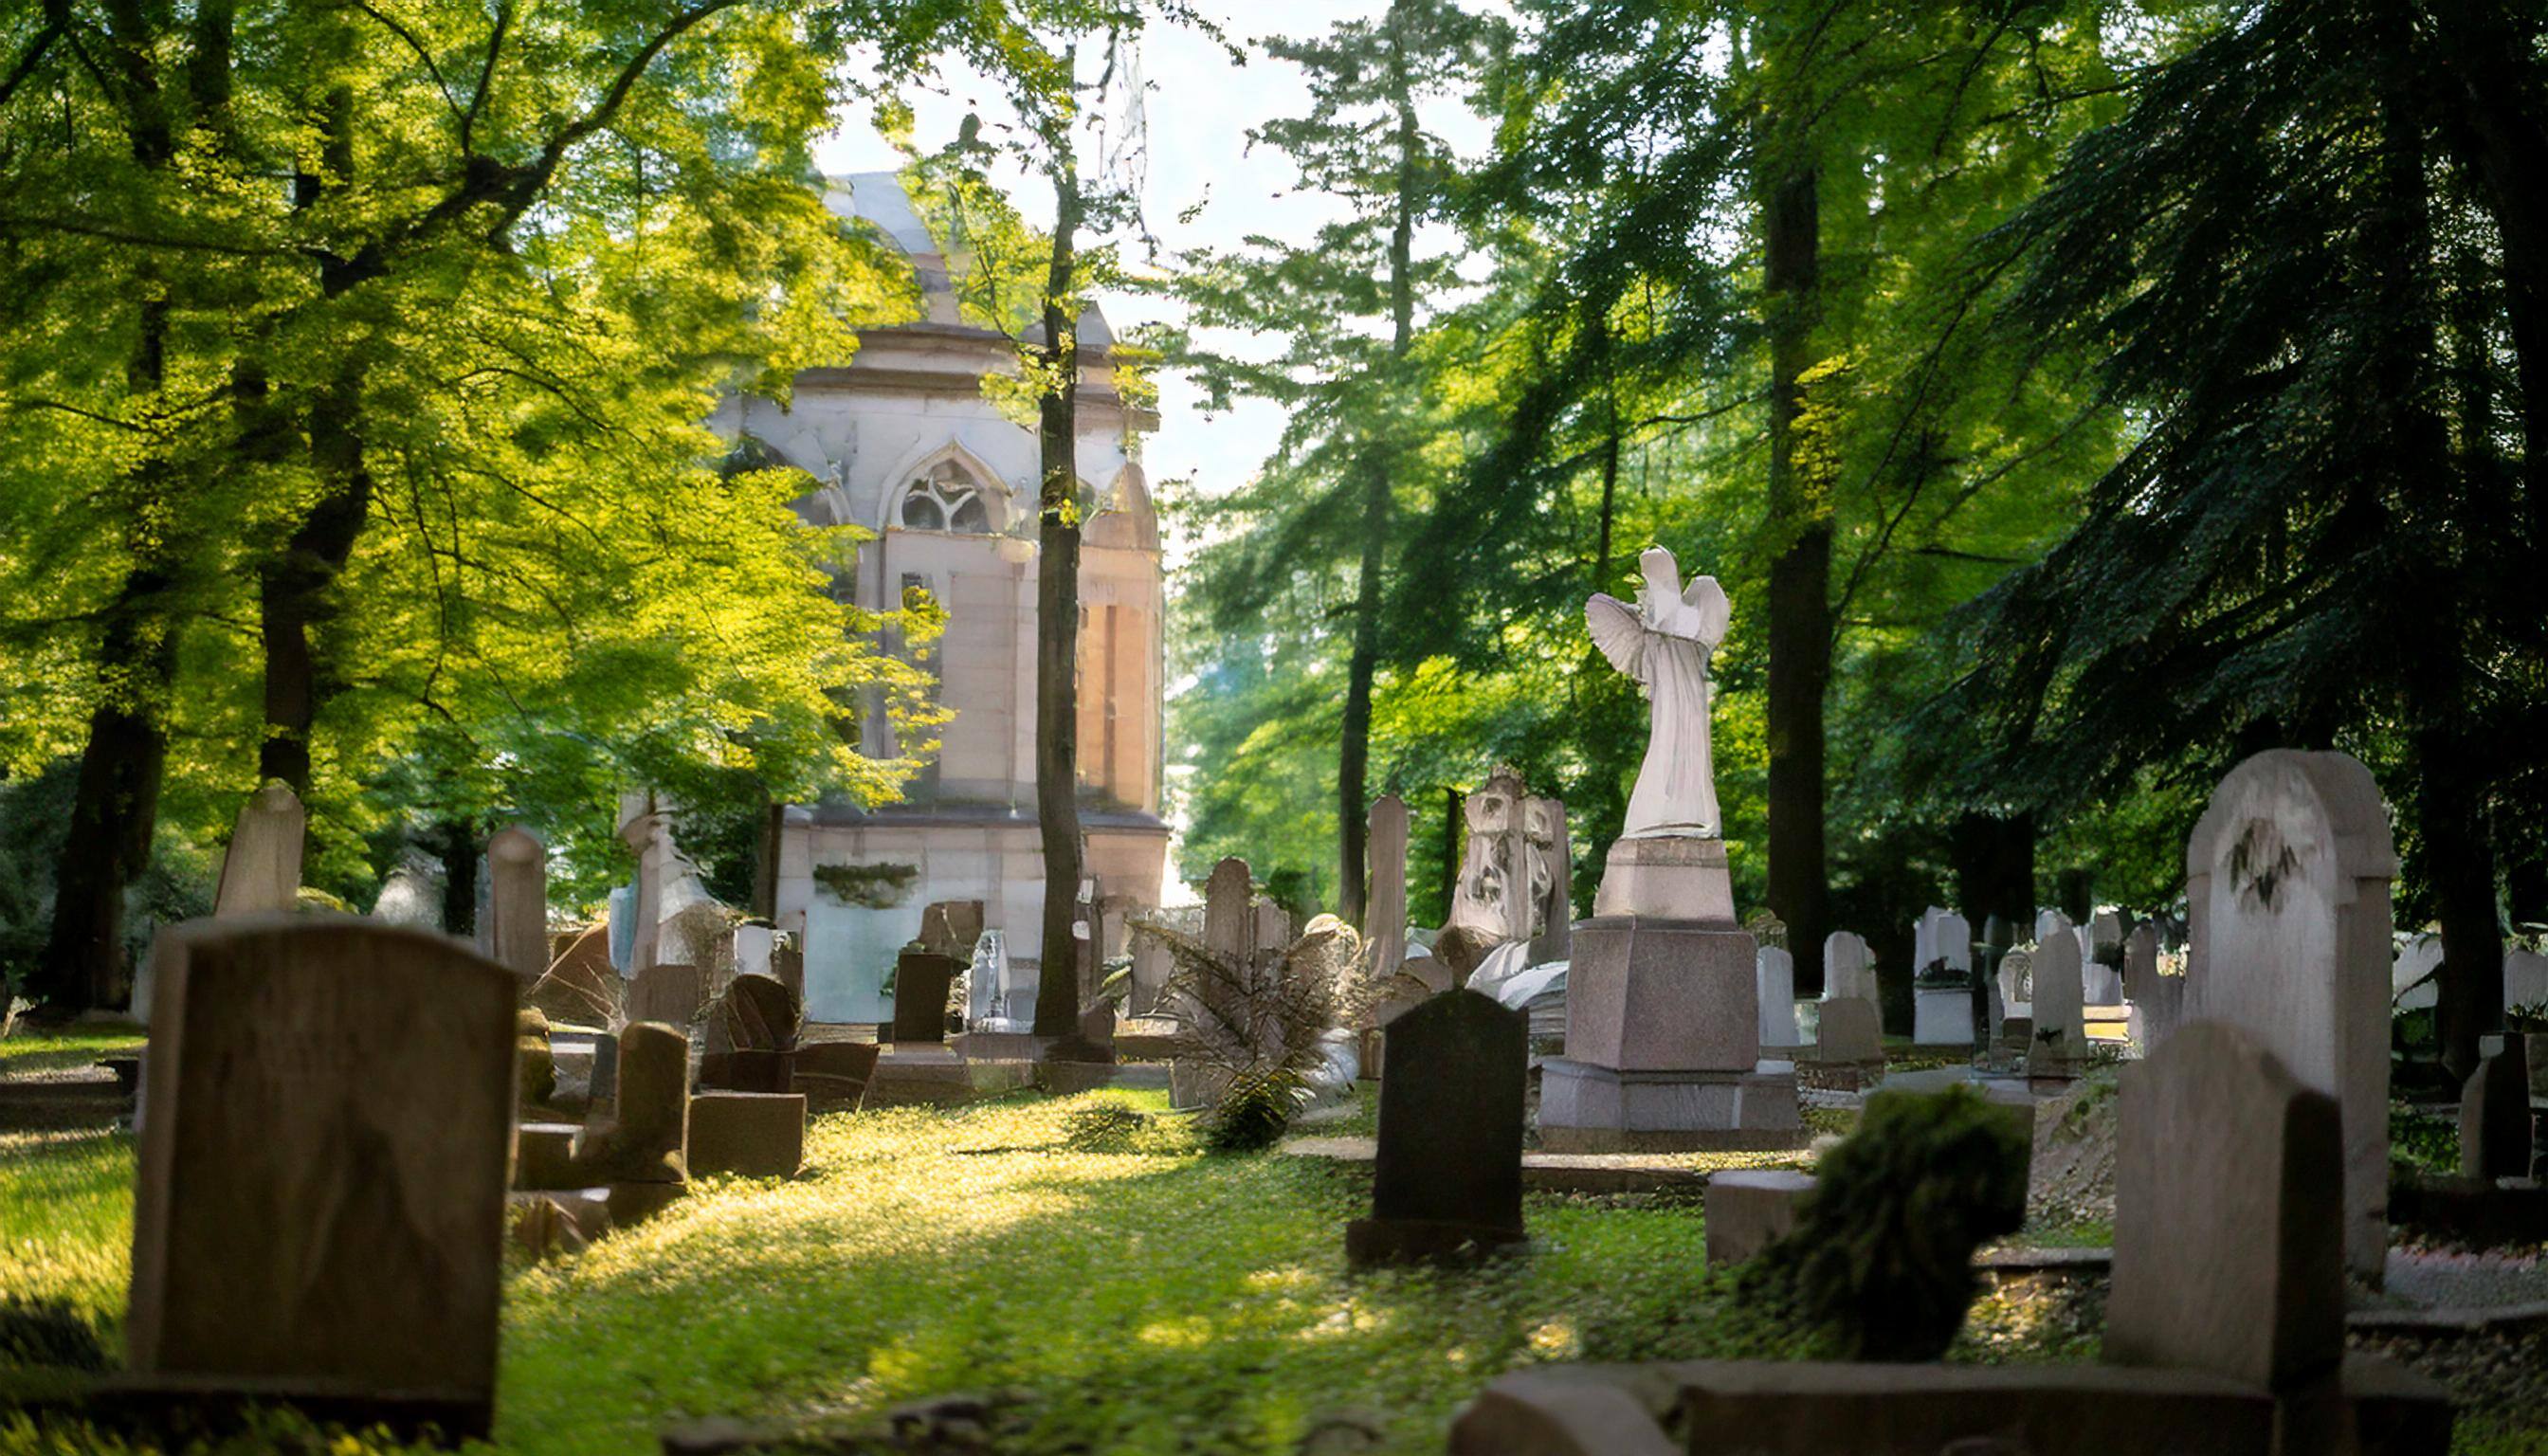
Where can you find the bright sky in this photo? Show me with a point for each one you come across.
(1200, 107)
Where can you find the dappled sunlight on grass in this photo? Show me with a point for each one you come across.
(66, 1223)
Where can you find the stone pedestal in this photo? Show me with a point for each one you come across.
(1662, 1023)
(1941, 1016)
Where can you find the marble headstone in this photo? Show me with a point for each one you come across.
(1776, 981)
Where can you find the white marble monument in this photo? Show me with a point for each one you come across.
(1662, 1023)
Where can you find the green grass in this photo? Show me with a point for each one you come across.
(1156, 1299)
(28, 1051)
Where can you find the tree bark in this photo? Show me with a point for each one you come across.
(1799, 523)
(455, 843)
(1058, 624)
(1353, 752)
(2459, 865)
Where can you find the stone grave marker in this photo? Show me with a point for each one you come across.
(1384, 920)
(1848, 1035)
(318, 1203)
(2228, 1231)
(518, 936)
(579, 987)
(2495, 1115)
(642, 1151)
(833, 1076)
(2525, 978)
(1849, 967)
(2059, 1042)
(1777, 988)
(920, 982)
(1447, 1181)
(757, 1135)
(668, 992)
(2287, 885)
(261, 869)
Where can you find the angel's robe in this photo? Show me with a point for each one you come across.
(1664, 643)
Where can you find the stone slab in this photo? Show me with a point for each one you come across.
(1585, 1108)
(1941, 1016)
(758, 1134)
(1750, 1209)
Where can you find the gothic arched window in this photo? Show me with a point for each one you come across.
(947, 498)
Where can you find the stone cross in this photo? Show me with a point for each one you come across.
(261, 870)
(1383, 918)
(318, 1201)
(2228, 1223)
(1447, 1179)
(518, 937)
(2287, 893)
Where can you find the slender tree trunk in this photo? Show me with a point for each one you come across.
(2459, 864)
(1353, 751)
(1799, 524)
(1057, 625)
(115, 807)
(455, 843)
(1450, 848)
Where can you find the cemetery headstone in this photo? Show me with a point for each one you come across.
(833, 1076)
(411, 894)
(2059, 1042)
(1750, 1209)
(1384, 920)
(1552, 880)
(920, 982)
(579, 987)
(757, 1135)
(668, 992)
(645, 1139)
(519, 913)
(2525, 978)
(2287, 885)
(1776, 982)
(2229, 1233)
(1447, 1180)
(1849, 967)
(319, 1193)
(261, 869)
(951, 928)
(2494, 1117)
(1848, 1035)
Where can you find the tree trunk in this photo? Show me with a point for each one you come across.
(455, 843)
(1057, 625)
(1994, 860)
(2459, 864)
(1799, 526)
(1451, 802)
(1353, 751)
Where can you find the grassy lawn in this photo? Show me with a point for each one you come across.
(1155, 1300)
(57, 1050)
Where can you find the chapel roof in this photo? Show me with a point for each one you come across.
(883, 202)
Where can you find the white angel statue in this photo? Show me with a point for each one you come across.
(1663, 642)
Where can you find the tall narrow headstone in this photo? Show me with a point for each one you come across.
(518, 883)
(2495, 1115)
(645, 1140)
(920, 982)
(1551, 882)
(2287, 891)
(2229, 1224)
(1229, 913)
(1849, 967)
(261, 869)
(1447, 1179)
(319, 1205)
(2061, 1037)
(1383, 916)
(1776, 982)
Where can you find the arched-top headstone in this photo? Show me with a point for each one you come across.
(1448, 1172)
(261, 869)
(1849, 967)
(517, 867)
(759, 1015)
(579, 987)
(319, 1192)
(2229, 1227)
(2017, 981)
(2060, 1032)
(1775, 981)
(2287, 893)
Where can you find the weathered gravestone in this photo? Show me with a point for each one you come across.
(579, 987)
(2495, 1115)
(517, 923)
(1383, 918)
(2525, 978)
(318, 1207)
(261, 869)
(751, 1044)
(2059, 1042)
(757, 1135)
(1447, 1182)
(951, 928)
(1849, 967)
(641, 1153)
(2229, 1233)
(2287, 889)
(1848, 1033)
(833, 1076)
(1775, 981)
(920, 982)
(668, 992)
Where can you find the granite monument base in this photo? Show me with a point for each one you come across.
(1588, 1108)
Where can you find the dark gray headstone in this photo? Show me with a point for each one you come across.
(759, 1014)
(919, 981)
(1447, 1181)
(2495, 1115)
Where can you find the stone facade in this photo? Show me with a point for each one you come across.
(904, 445)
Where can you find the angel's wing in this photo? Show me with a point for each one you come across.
(1714, 612)
(1618, 631)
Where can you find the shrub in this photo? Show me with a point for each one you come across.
(1256, 1111)
(1105, 1127)
(1881, 1262)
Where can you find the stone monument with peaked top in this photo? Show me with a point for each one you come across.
(261, 870)
(1662, 1033)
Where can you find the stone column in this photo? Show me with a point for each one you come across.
(1384, 926)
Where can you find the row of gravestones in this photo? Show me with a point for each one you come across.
(2252, 1183)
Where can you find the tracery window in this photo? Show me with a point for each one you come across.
(947, 498)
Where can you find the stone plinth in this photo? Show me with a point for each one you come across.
(1669, 878)
(1646, 994)
(1585, 1108)
(1941, 1016)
